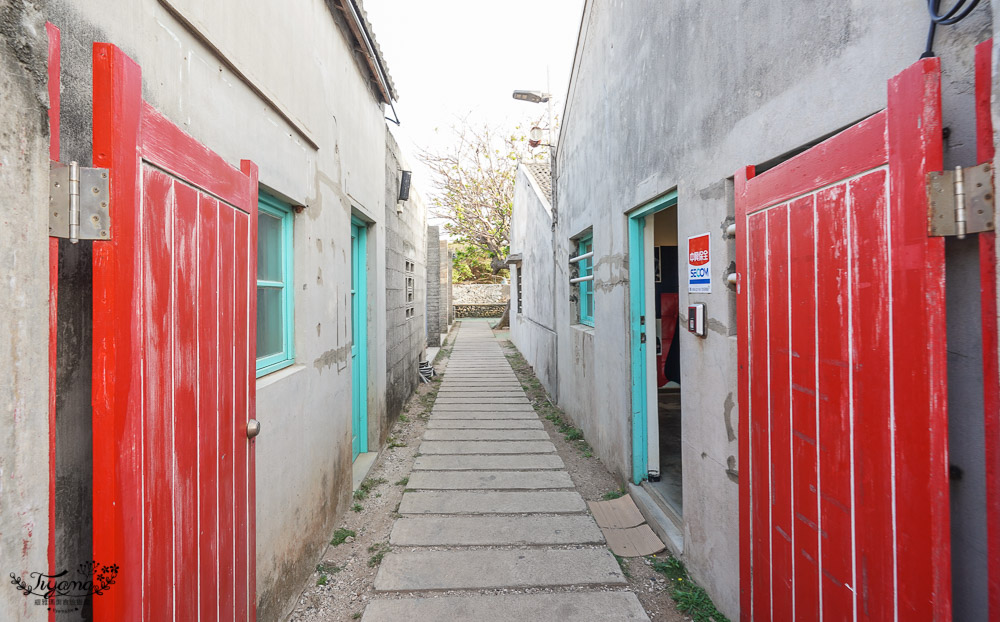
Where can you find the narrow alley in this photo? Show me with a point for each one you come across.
(628, 310)
(490, 506)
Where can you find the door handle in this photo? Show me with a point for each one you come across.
(253, 428)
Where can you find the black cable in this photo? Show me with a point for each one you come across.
(951, 17)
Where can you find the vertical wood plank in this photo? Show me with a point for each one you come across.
(874, 416)
(157, 398)
(249, 169)
(834, 418)
(743, 284)
(990, 329)
(919, 363)
(117, 337)
(208, 403)
(54, 68)
(227, 387)
(805, 449)
(186, 319)
(779, 407)
(760, 472)
(240, 412)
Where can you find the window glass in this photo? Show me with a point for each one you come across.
(269, 251)
(275, 291)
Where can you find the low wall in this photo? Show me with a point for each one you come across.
(480, 293)
(490, 310)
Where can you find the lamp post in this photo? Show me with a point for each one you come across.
(537, 97)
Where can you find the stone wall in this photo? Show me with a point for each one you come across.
(480, 310)
(480, 293)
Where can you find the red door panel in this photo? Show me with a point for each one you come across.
(991, 348)
(174, 309)
(843, 427)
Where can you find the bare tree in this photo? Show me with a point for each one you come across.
(474, 183)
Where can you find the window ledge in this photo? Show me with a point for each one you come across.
(279, 375)
(583, 328)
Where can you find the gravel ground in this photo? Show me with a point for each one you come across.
(343, 582)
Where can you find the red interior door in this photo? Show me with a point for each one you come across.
(842, 374)
(174, 317)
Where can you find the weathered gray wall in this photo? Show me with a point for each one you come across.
(24, 417)
(406, 226)
(532, 327)
(433, 259)
(668, 96)
(324, 150)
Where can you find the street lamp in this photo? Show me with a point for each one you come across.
(537, 97)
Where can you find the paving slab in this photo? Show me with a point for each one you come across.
(478, 502)
(560, 607)
(486, 447)
(481, 396)
(495, 531)
(484, 424)
(441, 401)
(486, 435)
(482, 414)
(475, 462)
(490, 569)
(489, 480)
(485, 406)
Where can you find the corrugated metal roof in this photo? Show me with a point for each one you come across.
(541, 172)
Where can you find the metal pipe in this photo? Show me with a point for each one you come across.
(581, 257)
(581, 279)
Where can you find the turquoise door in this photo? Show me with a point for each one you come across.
(359, 342)
(638, 324)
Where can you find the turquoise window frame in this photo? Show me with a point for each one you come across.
(586, 268)
(271, 206)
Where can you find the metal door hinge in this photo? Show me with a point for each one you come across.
(960, 202)
(79, 202)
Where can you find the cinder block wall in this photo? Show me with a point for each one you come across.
(406, 286)
(433, 286)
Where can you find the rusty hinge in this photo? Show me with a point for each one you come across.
(79, 202)
(960, 202)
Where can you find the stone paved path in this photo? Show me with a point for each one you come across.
(490, 508)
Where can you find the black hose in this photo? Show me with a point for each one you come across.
(954, 15)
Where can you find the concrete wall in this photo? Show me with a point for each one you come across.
(679, 97)
(532, 327)
(24, 416)
(406, 339)
(434, 303)
(310, 118)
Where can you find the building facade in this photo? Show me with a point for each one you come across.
(665, 107)
(287, 102)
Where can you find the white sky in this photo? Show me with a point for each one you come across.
(452, 58)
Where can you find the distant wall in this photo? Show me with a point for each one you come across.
(480, 310)
(480, 293)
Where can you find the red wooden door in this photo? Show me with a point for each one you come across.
(842, 374)
(174, 319)
(991, 348)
